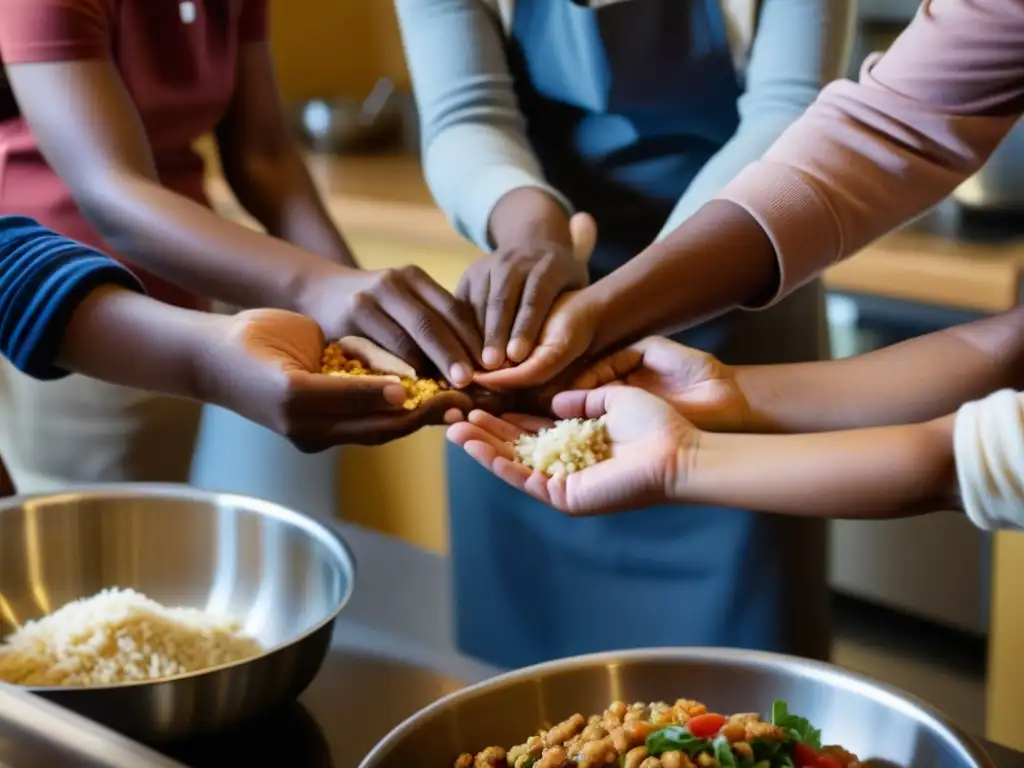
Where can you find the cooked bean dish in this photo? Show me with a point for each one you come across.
(660, 735)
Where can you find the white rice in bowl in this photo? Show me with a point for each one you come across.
(565, 447)
(120, 636)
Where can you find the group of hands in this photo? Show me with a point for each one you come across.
(512, 341)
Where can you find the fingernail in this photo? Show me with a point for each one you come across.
(460, 375)
(491, 357)
(394, 394)
(518, 350)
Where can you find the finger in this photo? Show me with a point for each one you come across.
(458, 314)
(432, 333)
(583, 231)
(543, 365)
(527, 422)
(501, 429)
(374, 357)
(610, 368)
(518, 476)
(464, 433)
(538, 297)
(340, 396)
(587, 404)
(473, 290)
(502, 303)
(373, 323)
(378, 429)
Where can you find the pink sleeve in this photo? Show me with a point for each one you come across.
(54, 30)
(867, 157)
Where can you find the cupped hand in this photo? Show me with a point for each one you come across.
(652, 448)
(265, 365)
(698, 385)
(404, 311)
(514, 289)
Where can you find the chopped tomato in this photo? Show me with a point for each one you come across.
(827, 761)
(706, 726)
(805, 756)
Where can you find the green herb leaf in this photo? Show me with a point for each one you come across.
(723, 752)
(796, 728)
(676, 737)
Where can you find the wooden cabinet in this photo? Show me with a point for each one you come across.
(400, 488)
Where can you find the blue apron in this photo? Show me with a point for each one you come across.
(624, 105)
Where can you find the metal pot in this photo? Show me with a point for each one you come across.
(999, 185)
(880, 724)
(284, 576)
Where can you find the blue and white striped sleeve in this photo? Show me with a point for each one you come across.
(43, 279)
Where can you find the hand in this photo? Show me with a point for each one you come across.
(698, 385)
(653, 448)
(513, 289)
(403, 310)
(265, 363)
(567, 335)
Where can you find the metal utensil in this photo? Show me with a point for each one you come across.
(882, 725)
(348, 125)
(283, 575)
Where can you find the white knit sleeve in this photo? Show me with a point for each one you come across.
(988, 444)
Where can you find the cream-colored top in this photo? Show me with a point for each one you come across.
(988, 443)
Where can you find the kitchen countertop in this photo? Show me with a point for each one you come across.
(393, 653)
(935, 261)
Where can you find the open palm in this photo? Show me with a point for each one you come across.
(649, 445)
(697, 384)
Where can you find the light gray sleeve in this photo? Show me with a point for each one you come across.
(800, 46)
(475, 148)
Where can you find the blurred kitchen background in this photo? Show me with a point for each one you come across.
(929, 605)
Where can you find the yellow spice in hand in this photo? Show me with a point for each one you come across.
(417, 391)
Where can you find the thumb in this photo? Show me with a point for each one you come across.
(583, 231)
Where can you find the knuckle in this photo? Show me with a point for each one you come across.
(410, 272)
(386, 280)
(362, 301)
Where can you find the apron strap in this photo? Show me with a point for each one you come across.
(741, 17)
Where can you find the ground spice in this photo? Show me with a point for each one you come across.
(417, 391)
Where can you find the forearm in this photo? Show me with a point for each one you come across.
(913, 381)
(130, 339)
(716, 260)
(528, 215)
(190, 245)
(871, 473)
(280, 194)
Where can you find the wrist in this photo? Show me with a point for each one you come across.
(528, 216)
(314, 289)
(703, 467)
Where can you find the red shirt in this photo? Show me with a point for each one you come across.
(177, 60)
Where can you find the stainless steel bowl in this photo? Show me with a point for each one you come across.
(879, 723)
(283, 575)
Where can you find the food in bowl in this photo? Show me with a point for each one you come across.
(568, 446)
(417, 391)
(681, 735)
(120, 636)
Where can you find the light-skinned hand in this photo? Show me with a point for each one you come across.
(652, 449)
(698, 385)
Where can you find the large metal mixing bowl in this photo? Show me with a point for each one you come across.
(284, 576)
(880, 724)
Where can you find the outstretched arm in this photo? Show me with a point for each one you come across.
(916, 380)
(865, 158)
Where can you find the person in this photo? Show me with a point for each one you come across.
(864, 159)
(106, 100)
(932, 423)
(67, 307)
(635, 113)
